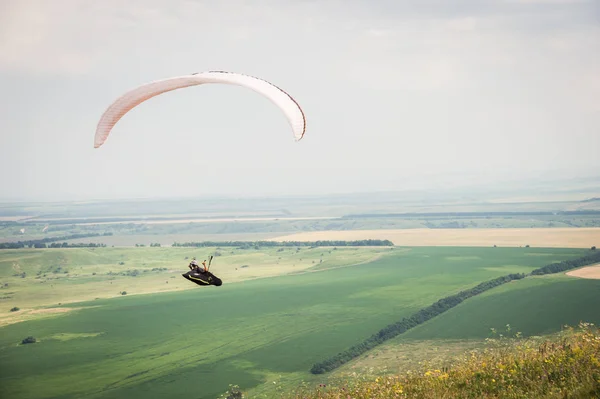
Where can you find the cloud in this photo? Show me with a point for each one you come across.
(394, 91)
(561, 2)
(465, 24)
(79, 37)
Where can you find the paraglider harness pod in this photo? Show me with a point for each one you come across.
(202, 277)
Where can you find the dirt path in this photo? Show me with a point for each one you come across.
(32, 314)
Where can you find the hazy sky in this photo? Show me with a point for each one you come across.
(396, 94)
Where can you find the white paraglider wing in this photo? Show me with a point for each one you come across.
(133, 98)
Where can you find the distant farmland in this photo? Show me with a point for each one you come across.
(586, 272)
(534, 237)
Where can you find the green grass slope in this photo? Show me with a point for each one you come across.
(561, 366)
(194, 343)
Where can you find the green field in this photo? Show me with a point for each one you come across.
(535, 306)
(33, 278)
(195, 342)
(531, 306)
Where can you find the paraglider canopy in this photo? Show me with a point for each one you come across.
(135, 97)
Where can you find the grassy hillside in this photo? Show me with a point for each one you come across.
(534, 306)
(198, 341)
(564, 366)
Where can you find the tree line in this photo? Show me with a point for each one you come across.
(41, 243)
(74, 245)
(440, 307)
(314, 244)
(565, 265)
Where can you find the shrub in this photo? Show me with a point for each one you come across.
(29, 340)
